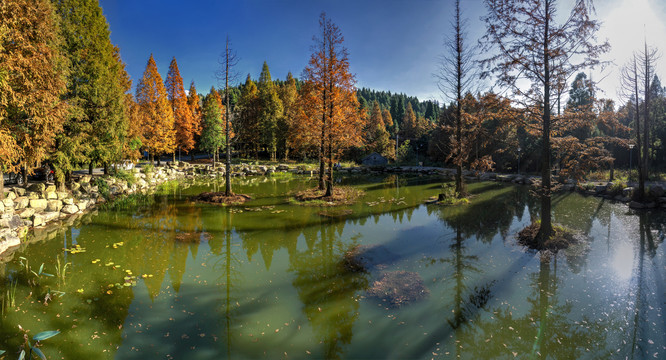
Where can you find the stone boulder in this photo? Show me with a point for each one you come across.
(70, 209)
(38, 204)
(636, 205)
(54, 205)
(21, 202)
(656, 191)
(626, 192)
(26, 213)
(9, 203)
(38, 220)
(37, 187)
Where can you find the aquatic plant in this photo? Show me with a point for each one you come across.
(61, 270)
(28, 349)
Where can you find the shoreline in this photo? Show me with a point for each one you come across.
(38, 208)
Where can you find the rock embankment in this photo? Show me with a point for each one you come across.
(35, 206)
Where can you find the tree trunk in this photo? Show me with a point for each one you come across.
(546, 228)
(322, 149)
(641, 169)
(459, 149)
(329, 182)
(646, 118)
(2, 185)
(90, 168)
(24, 173)
(227, 167)
(106, 168)
(173, 157)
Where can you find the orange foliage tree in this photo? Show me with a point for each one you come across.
(331, 111)
(184, 122)
(194, 104)
(32, 79)
(155, 111)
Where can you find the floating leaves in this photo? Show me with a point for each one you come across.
(76, 249)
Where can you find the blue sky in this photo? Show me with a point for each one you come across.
(393, 44)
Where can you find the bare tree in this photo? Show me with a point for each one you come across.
(455, 77)
(227, 61)
(647, 57)
(629, 90)
(639, 71)
(525, 44)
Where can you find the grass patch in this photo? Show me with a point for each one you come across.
(561, 239)
(448, 196)
(617, 187)
(128, 202)
(281, 175)
(342, 195)
(218, 198)
(167, 187)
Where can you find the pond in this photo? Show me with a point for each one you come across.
(173, 279)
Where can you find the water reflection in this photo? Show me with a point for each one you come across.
(329, 293)
(217, 275)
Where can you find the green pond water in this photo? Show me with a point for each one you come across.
(175, 279)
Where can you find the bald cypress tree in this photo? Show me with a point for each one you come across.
(33, 73)
(155, 111)
(184, 123)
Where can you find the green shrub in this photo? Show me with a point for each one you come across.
(126, 176)
(102, 186)
(616, 188)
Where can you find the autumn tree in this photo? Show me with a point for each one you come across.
(155, 111)
(184, 121)
(336, 118)
(454, 80)
(132, 147)
(194, 104)
(526, 43)
(212, 134)
(34, 77)
(270, 111)
(409, 124)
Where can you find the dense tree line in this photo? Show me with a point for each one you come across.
(70, 103)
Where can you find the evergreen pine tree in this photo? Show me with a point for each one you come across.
(271, 111)
(96, 129)
(212, 133)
